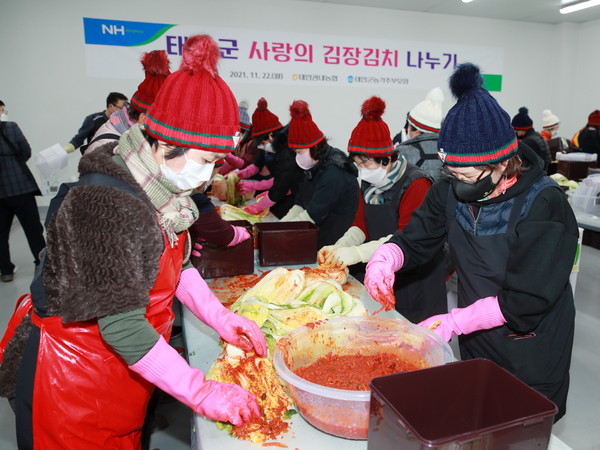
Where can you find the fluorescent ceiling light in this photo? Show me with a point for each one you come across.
(467, 1)
(579, 6)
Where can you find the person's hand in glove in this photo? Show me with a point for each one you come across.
(240, 234)
(482, 315)
(353, 237)
(234, 161)
(194, 293)
(166, 369)
(196, 249)
(341, 256)
(380, 274)
(247, 172)
(263, 202)
(69, 148)
(248, 186)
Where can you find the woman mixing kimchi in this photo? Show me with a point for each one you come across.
(86, 356)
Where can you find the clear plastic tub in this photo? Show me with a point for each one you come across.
(345, 413)
(586, 198)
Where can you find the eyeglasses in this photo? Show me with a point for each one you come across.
(446, 172)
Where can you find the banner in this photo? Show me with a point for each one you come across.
(114, 47)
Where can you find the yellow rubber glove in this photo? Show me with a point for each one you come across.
(354, 236)
(69, 148)
(292, 213)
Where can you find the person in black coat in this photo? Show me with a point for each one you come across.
(512, 237)
(274, 171)
(588, 138)
(18, 189)
(523, 126)
(328, 192)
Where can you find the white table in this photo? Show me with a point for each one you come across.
(587, 221)
(203, 350)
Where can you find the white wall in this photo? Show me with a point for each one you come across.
(44, 83)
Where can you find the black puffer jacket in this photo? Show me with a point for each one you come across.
(329, 194)
(539, 145)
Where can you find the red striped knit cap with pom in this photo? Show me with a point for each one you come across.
(156, 65)
(263, 120)
(195, 108)
(594, 118)
(371, 136)
(303, 132)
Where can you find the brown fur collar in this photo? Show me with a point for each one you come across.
(104, 246)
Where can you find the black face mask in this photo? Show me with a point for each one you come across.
(471, 192)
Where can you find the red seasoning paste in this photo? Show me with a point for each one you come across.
(354, 372)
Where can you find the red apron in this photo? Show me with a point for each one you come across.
(85, 396)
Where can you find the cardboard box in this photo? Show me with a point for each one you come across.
(227, 261)
(281, 243)
(473, 404)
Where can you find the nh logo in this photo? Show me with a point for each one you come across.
(113, 29)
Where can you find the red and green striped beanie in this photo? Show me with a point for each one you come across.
(263, 120)
(371, 136)
(303, 131)
(195, 108)
(156, 67)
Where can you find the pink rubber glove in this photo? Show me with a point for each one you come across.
(249, 186)
(196, 249)
(482, 315)
(247, 172)
(235, 161)
(194, 293)
(166, 369)
(379, 276)
(240, 234)
(260, 205)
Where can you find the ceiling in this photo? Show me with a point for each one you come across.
(540, 11)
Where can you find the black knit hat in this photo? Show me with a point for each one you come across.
(476, 130)
(522, 121)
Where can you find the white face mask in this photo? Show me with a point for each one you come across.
(404, 135)
(372, 176)
(204, 186)
(304, 160)
(554, 133)
(267, 147)
(191, 176)
(3, 117)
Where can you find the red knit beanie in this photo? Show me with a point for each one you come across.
(371, 136)
(156, 66)
(594, 118)
(263, 120)
(195, 108)
(303, 132)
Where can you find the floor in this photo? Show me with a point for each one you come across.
(579, 429)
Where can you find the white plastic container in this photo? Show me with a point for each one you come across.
(586, 198)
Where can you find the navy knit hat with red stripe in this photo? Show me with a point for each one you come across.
(371, 136)
(195, 108)
(426, 116)
(156, 66)
(476, 130)
(263, 120)
(522, 121)
(303, 132)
